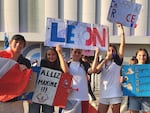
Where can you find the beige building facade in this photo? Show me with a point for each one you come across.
(28, 17)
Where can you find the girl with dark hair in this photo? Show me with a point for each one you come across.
(137, 104)
(53, 60)
(110, 86)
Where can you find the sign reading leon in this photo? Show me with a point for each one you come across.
(125, 12)
(51, 88)
(73, 34)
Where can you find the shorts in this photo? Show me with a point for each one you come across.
(124, 104)
(108, 101)
(139, 103)
(74, 106)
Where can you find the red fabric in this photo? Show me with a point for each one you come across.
(5, 54)
(14, 81)
(61, 93)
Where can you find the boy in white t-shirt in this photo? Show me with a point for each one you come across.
(78, 97)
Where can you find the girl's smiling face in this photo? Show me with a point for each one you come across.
(141, 57)
(51, 55)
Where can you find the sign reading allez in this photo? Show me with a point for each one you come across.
(51, 88)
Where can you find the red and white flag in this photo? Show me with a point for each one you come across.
(13, 80)
(52, 87)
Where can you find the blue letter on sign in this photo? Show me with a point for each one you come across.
(54, 34)
(69, 33)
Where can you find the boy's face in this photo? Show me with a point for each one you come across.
(76, 54)
(16, 46)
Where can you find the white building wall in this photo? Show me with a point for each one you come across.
(51, 8)
(143, 17)
(70, 10)
(39, 16)
(11, 15)
(104, 13)
(31, 15)
(90, 11)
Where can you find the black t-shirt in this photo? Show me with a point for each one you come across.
(24, 61)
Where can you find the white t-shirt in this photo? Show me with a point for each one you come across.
(79, 82)
(110, 85)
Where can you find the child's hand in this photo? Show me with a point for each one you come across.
(97, 51)
(59, 48)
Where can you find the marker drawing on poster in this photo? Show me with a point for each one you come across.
(124, 12)
(136, 80)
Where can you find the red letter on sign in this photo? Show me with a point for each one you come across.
(130, 18)
(133, 18)
(127, 17)
(95, 35)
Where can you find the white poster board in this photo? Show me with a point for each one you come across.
(73, 34)
(124, 12)
(51, 87)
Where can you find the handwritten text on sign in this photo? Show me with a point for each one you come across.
(136, 80)
(46, 86)
(125, 12)
(72, 34)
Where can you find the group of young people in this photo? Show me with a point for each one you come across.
(110, 85)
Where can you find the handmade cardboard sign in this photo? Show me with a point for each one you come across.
(52, 87)
(136, 80)
(73, 34)
(124, 12)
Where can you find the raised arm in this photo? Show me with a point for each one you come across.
(63, 64)
(100, 65)
(122, 43)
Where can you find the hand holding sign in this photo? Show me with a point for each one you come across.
(52, 87)
(74, 34)
(125, 12)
